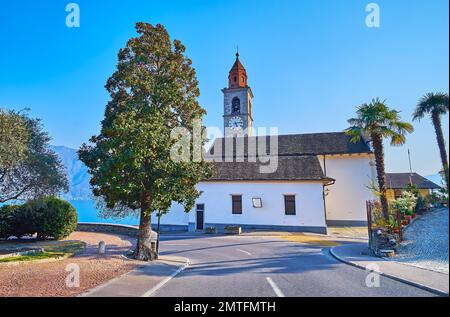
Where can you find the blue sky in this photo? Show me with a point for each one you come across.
(310, 62)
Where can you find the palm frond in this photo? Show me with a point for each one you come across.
(431, 103)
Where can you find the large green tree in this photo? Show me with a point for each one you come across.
(376, 121)
(436, 105)
(29, 169)
(153, 92)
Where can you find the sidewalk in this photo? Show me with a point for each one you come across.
(355, 254)
(143, 281)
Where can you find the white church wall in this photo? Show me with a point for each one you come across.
(175, 220)
(346, 200)
(216, 197)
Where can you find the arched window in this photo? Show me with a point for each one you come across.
(236, 106)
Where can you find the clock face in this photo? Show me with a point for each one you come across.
(236, 123)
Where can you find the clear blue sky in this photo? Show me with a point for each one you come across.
(310, 62)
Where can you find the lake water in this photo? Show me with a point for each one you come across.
(87, 212)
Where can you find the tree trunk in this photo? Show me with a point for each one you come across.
(144, 251)
(441, 143)
(159, 234)
(381, 173)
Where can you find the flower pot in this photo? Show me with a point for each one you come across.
(211, 230)
(233, 230)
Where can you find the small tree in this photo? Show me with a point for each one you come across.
(29, 169)
(376, 122)
(153, 92)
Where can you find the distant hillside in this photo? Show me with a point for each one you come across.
(79, 188)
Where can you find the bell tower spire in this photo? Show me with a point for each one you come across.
(238, 118)
(237, 77)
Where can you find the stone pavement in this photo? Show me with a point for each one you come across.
(143, 281)
(426, 242)
(357, 255)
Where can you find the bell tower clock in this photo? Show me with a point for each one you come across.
(238, 119)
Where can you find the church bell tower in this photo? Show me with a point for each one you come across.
(238, 119)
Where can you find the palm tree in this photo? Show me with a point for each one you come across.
(376, 122)
(436, 105)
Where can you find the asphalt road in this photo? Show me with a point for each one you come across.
(247, 266)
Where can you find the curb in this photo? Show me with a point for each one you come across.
(393, 277)
(185, 264)
(167, 279)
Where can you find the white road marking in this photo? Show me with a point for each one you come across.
(243, 251)
(167, 279)
(275, 288)
(175, 244)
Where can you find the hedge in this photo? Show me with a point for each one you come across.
(47, 217)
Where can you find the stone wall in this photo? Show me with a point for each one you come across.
(123, 230)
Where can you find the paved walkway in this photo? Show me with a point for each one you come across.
(145, 280)
(426, 242)
(48, 279)
(356, 254)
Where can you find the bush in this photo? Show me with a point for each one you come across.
(53, 218)
(421, 204)
(47, 217)
(405, 204)
(6, 214)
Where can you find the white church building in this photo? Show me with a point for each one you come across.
(301, 182)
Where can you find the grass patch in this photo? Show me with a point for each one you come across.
(33, 257)
(61, 249)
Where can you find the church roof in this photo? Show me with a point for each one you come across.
(237, 77)
(299, 145)
(237, 66)
(401, 180)
(304, 168)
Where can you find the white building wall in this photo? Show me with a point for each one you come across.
(218, 203)
(346, 200)
(176, 216)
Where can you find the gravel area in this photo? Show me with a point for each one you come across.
(48, 279)
(426, 242)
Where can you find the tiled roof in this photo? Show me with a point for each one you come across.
(299, 145)
(289, 169)
(401, 180)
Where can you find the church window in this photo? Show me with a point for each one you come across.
(289, 205)
(235, 79)
(236, 204)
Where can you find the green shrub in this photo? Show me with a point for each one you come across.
(421, 204)
(52, 217)
(47, 217)
(6, 214)
(405, 204)
(23, 222)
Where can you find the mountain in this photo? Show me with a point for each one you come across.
(77, 174)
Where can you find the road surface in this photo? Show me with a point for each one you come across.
(248, 266)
